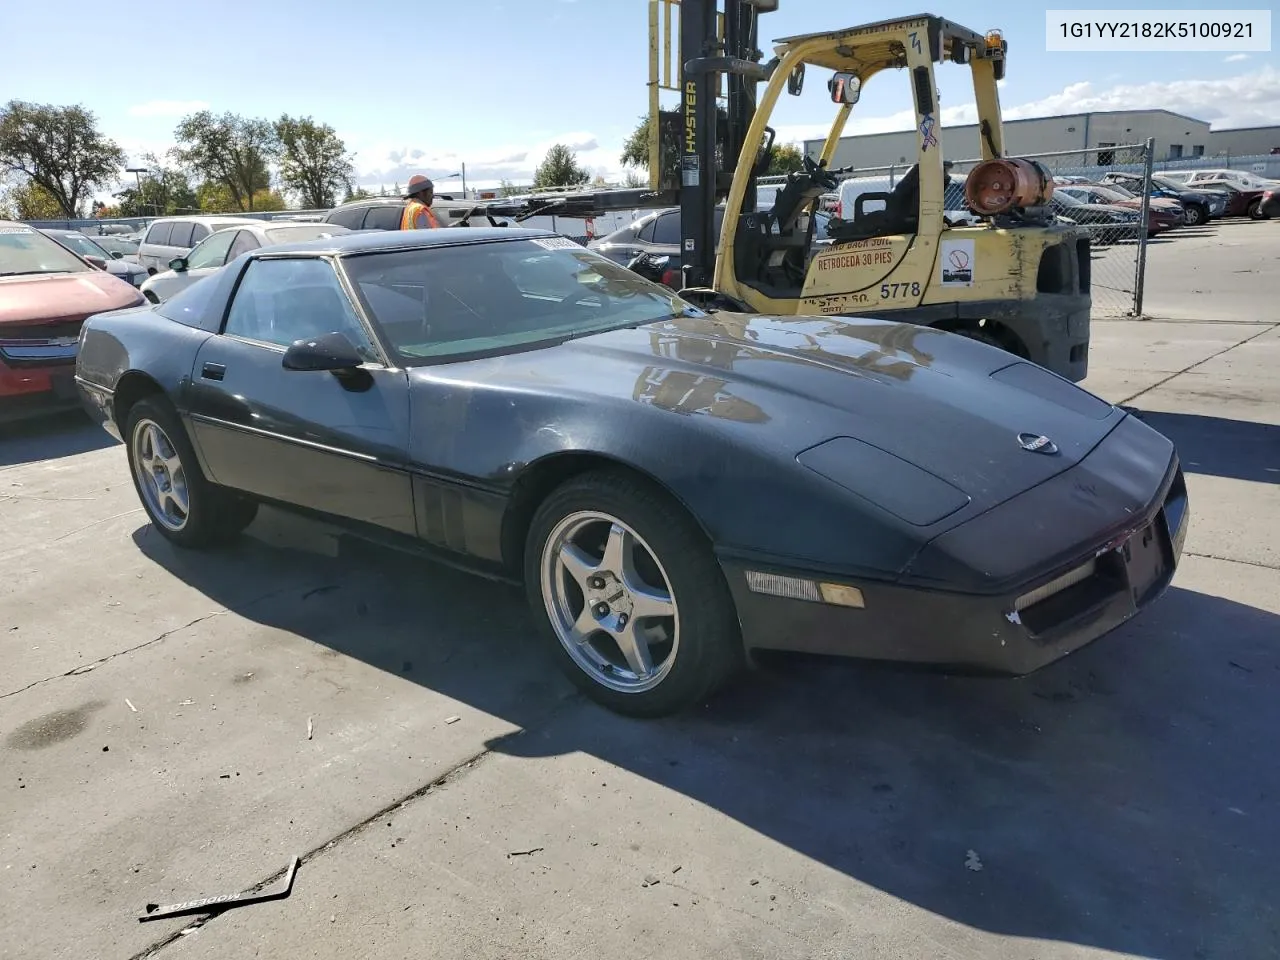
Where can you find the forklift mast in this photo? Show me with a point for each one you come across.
(705, 56)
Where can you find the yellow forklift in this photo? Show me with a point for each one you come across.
(1019, 279)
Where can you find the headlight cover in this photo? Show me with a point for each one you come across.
(901, 488)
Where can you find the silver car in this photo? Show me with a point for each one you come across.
(111, 261)
(220, 248)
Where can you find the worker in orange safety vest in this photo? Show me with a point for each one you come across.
(418, 214)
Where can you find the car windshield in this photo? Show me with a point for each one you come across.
(1109, 194)
(118, 244)
(450, 302)
(82, 245)
(1166, 184)
(25, 250)
(301, 232)
(1067, 199)
(1117, 190)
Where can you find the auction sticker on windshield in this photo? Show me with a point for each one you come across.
(557, 243)
(8, 230)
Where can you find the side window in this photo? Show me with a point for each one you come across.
(667, 230)
(181, 235)
(159, 233)
(645, 234)
(282, 301)
(351, 218)
(212, 252)
(384, 218)
(243, 243)
(198, 232)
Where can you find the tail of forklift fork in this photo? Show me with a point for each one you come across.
(1019, 279)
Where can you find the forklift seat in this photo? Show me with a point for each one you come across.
(900, 215)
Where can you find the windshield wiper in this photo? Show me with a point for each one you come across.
(27, 273)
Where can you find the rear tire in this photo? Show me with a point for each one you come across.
(1255, 210)
(629, 597)
(182, 505)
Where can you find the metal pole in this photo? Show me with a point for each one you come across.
(464, 181)
(1140, 277)
(698, 153)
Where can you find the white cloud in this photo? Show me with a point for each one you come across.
(1250, 99)
(1236, 58)
(167, 108)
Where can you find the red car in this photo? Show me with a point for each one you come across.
(46, 292)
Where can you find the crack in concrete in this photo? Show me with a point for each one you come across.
(89, 667)
(449, 776)
(86, 668)
(1247, 563)
(1173, 376)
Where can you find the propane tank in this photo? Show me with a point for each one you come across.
(997, 186)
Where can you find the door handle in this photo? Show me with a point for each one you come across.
(213, 371)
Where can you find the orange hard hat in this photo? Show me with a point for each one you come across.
(417, 183)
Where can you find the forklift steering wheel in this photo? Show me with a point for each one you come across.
(820, 174)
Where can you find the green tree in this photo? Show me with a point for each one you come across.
(230, 150)
(508, 189)
(634, 180)
(30, 201)
(213, 197)
(313, 160)
(60, 149)
(559, 168)
(163, 191)
(356, 193)
(786, 158)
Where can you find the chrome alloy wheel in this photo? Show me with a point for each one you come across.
(160, 475)
(610, 602)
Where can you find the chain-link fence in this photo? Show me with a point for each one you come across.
(1107, 191)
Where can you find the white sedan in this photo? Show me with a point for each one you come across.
(223, 246)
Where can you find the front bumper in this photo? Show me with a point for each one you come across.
(1071, 569)
(36, 389)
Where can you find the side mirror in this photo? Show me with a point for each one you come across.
(96, 261)
(332, 352)
(795, 82)
(178, 264)
(845, 88)
(117, 255)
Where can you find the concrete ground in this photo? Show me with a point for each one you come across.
(456, 799)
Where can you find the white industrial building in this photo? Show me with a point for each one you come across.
(1176, 137)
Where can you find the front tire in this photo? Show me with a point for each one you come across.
(184, 507)
(1195, 215)
(1255, 210)
(629, 596)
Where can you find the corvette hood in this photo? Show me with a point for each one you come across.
(944, 403)
(40, 297)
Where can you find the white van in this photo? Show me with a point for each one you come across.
(172, 237)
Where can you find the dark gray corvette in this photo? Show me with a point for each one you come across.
(673, 488)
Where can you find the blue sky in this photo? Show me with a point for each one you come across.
(421, 86)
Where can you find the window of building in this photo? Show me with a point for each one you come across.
(1175, 151)
(1106, 158)
(1198, 150)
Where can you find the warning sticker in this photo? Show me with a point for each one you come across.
(556, 243)
(956, 263)
(6, 230)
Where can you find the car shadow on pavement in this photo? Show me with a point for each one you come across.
(50, 438)
(1221, 447)
(1122, 799)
